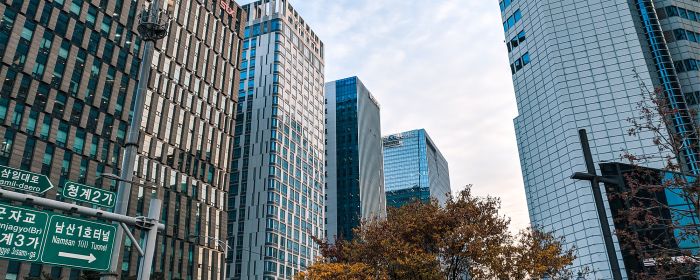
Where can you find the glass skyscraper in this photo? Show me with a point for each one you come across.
(276, 199)
(355, 171)
(68, 73)
(587, 65)
(414, 169)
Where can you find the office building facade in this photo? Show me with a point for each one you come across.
(277, 193)
(414, 169)
(673, 230)
(588, 65)
(69, 70)
(355, 163)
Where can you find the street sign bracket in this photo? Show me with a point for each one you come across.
(134, 242)
(145, 223)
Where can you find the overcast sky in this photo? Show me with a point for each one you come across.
(439, 65)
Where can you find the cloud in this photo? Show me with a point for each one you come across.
(439, 65)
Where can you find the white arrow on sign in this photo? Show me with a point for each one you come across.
(91, 258)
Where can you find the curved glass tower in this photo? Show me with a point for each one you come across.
(355, 171)
(414, 169)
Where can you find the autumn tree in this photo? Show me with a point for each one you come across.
(425, 241)
(657, 223)
(340, 271)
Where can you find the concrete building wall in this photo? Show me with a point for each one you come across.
(331, 208)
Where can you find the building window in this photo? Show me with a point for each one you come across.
(62, 135)
(17, 116)
(6, 146)
(512, 20)
(75, 7)
(503, 4)
(79, 143)
(673, 11)
(4, 103)
(62, 24)
(516, 41)
(520, 63)
(47, 160)
(687, 65)
(45, 128)
(31, 122)
(28, 154)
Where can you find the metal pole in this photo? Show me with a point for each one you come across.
(600, 207)
(131, 149)
(147, 260)
(72, 208)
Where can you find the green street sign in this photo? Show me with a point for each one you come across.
(21, 232)
(92, 195)
(78, 243)
(11, 178)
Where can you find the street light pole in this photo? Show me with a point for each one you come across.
(153, 26)
(219, 243)
(598, 199)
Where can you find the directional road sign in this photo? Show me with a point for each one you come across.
(83, 193)
(78, 243)
(11, 178)
(21, 232)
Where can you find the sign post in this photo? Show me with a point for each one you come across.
(11, 178)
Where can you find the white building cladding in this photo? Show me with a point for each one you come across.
(355, 161)
(277, 188)
(574, 65)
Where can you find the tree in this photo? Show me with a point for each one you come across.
(657, 223)
(357, 271)
(425, 241)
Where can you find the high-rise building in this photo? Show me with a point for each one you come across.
(414, 169)
(277, 192)
(355, 168)
(587, 65)
(68, 73)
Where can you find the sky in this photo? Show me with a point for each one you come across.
(441, 65)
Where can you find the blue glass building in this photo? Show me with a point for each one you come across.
(414, 169)
(679, 222)
(354, 177)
